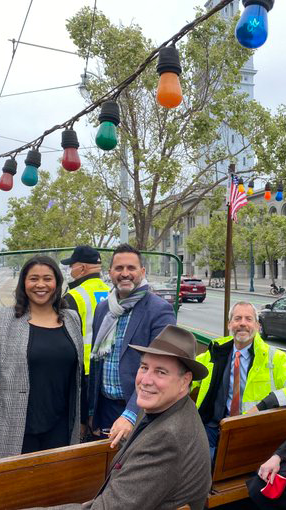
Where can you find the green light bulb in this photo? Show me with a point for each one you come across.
(106, 137)
(30, 175)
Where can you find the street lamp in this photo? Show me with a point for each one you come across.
(176, 236)
(83, 87)
(251, 287)
(250, 226)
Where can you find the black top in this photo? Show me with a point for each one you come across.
(52, 362)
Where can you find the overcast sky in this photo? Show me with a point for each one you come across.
(25, 117)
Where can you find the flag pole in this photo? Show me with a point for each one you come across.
(231, 170)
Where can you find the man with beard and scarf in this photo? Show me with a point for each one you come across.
(246, 375)
(130, 315)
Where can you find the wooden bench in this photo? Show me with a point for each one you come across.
(72, 474)
(245, 443)
(75, 473)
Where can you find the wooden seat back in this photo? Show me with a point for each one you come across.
(247, 441)
(72, 474)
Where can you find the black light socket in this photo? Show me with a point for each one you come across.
(10, 166)
(240, 180)
(109, 113)
(267, 186)
(267, 4)
(280, 187)
(33, 158)
(169, 61)
(69, 139)
(251, 184)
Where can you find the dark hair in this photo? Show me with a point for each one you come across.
(22, 301)
(126, 248)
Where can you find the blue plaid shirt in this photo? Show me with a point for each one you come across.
(111, 387)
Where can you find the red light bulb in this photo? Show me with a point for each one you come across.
(70, 161)
(169, 92)
(9, 169)
(6, 182)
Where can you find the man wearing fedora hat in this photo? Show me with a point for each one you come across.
(165, 462)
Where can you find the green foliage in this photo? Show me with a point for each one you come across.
(267, 232)
(65, 212)
(172, 154)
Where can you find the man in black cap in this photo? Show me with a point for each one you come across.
(86, 291)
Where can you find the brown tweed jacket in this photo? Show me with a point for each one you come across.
(14, 377)
(165, 467)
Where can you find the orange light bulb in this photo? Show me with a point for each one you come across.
(267, 195)
(169, 92)
(240, 188)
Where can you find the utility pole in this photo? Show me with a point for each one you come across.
(231, 171)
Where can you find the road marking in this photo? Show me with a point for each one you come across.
(203, 331)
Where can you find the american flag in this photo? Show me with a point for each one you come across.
(237, 199)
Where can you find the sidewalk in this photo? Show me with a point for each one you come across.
(261, 287)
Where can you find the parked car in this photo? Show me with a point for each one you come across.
(166, 291)
(272, 319)
(191, 288)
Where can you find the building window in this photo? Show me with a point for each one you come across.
(231, 9)
(232, 138)
(244, 161)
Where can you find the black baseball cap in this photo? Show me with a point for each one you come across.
(83, 253)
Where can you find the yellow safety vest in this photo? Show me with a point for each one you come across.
(267, 374)
(87, 296)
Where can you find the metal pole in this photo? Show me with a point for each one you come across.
(251, 288)
(228, 258)
(227, 270)
(124, 196)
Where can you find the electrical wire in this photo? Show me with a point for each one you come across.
(43, 47)
(23, 141)
(14, 51)
(114, 93)
(90, 37)
(40, 90)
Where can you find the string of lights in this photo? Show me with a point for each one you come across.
(114, 93)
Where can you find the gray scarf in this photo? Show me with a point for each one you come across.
(106, 335)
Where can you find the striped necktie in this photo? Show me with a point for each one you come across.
(234, 408)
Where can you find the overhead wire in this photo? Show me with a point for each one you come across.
(43, 47)
(114, 93)
(14, 50)
(40, 90)
(90, 37)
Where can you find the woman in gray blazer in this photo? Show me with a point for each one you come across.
(41, 357)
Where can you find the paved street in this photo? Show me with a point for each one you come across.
(207, 317)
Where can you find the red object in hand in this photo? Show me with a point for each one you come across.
(6, 182)
(274, 490)
(71, 161)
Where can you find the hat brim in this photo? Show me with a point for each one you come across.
(66, 262)
(198, 370)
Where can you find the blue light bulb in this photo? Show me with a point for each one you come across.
(30, 175)
(252, 29)
(279, 196)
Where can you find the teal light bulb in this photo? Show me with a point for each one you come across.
(30, 176)
(106, 138)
